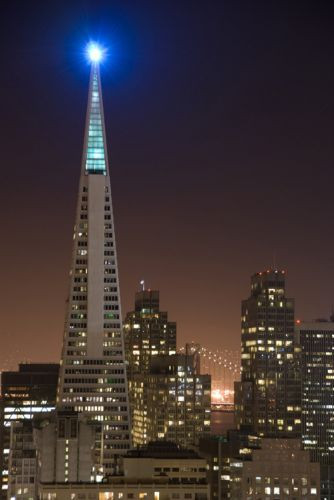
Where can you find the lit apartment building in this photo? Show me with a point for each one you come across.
(147, 332)
(317, 375)
(316, 341)
(172, 402)
(22, 462)
(267, 400)
(279, 470)
(219, 451)
(24, 393)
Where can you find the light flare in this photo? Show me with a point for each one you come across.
(95, 52)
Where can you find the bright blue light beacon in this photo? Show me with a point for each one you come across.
(95, 52)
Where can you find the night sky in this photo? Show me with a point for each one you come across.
(220, 118)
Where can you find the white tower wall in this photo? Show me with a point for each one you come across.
(93, 373)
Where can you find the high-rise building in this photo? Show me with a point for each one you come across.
(148, 332)
(267, 400)
(24, 394)
(220, 451)
(172, 402)
(64, 441)
(279, 469)
(316, 340)
(168, 396)
(92, 375)
(53, 447)
(22, 462)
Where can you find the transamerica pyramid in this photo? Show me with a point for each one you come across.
(93, 373)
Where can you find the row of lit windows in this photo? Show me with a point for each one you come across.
(92, 362)
(114, 352)
(88, 371)
(113, 389)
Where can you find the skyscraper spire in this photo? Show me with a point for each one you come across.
(95, 150)
(93, 374)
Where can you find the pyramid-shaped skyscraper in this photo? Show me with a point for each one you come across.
(93, 373)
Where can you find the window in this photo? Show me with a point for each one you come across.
(61, 428)
(73, 428)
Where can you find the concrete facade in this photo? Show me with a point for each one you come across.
(160, 471)
(279, 470)
(64, 442)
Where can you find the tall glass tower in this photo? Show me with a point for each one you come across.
(92, 374)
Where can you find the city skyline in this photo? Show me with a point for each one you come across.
(192, 180)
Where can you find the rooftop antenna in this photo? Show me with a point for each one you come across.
(142, 285)
(274, 259)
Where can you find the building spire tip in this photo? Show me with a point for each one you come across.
(95, 52)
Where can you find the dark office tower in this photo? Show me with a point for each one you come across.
(24, 393)
(148, 332)
(92, 374)
(267, 400)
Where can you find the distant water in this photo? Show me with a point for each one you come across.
(221, 421)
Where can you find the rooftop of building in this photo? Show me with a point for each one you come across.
(270, 277)
(35, 368)
(280, 443)
(147, 300)
(165, 482)
(317, 323)
(39, 367)
(270, 272)
(162, 449)
(32, 375)
(271, 281)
